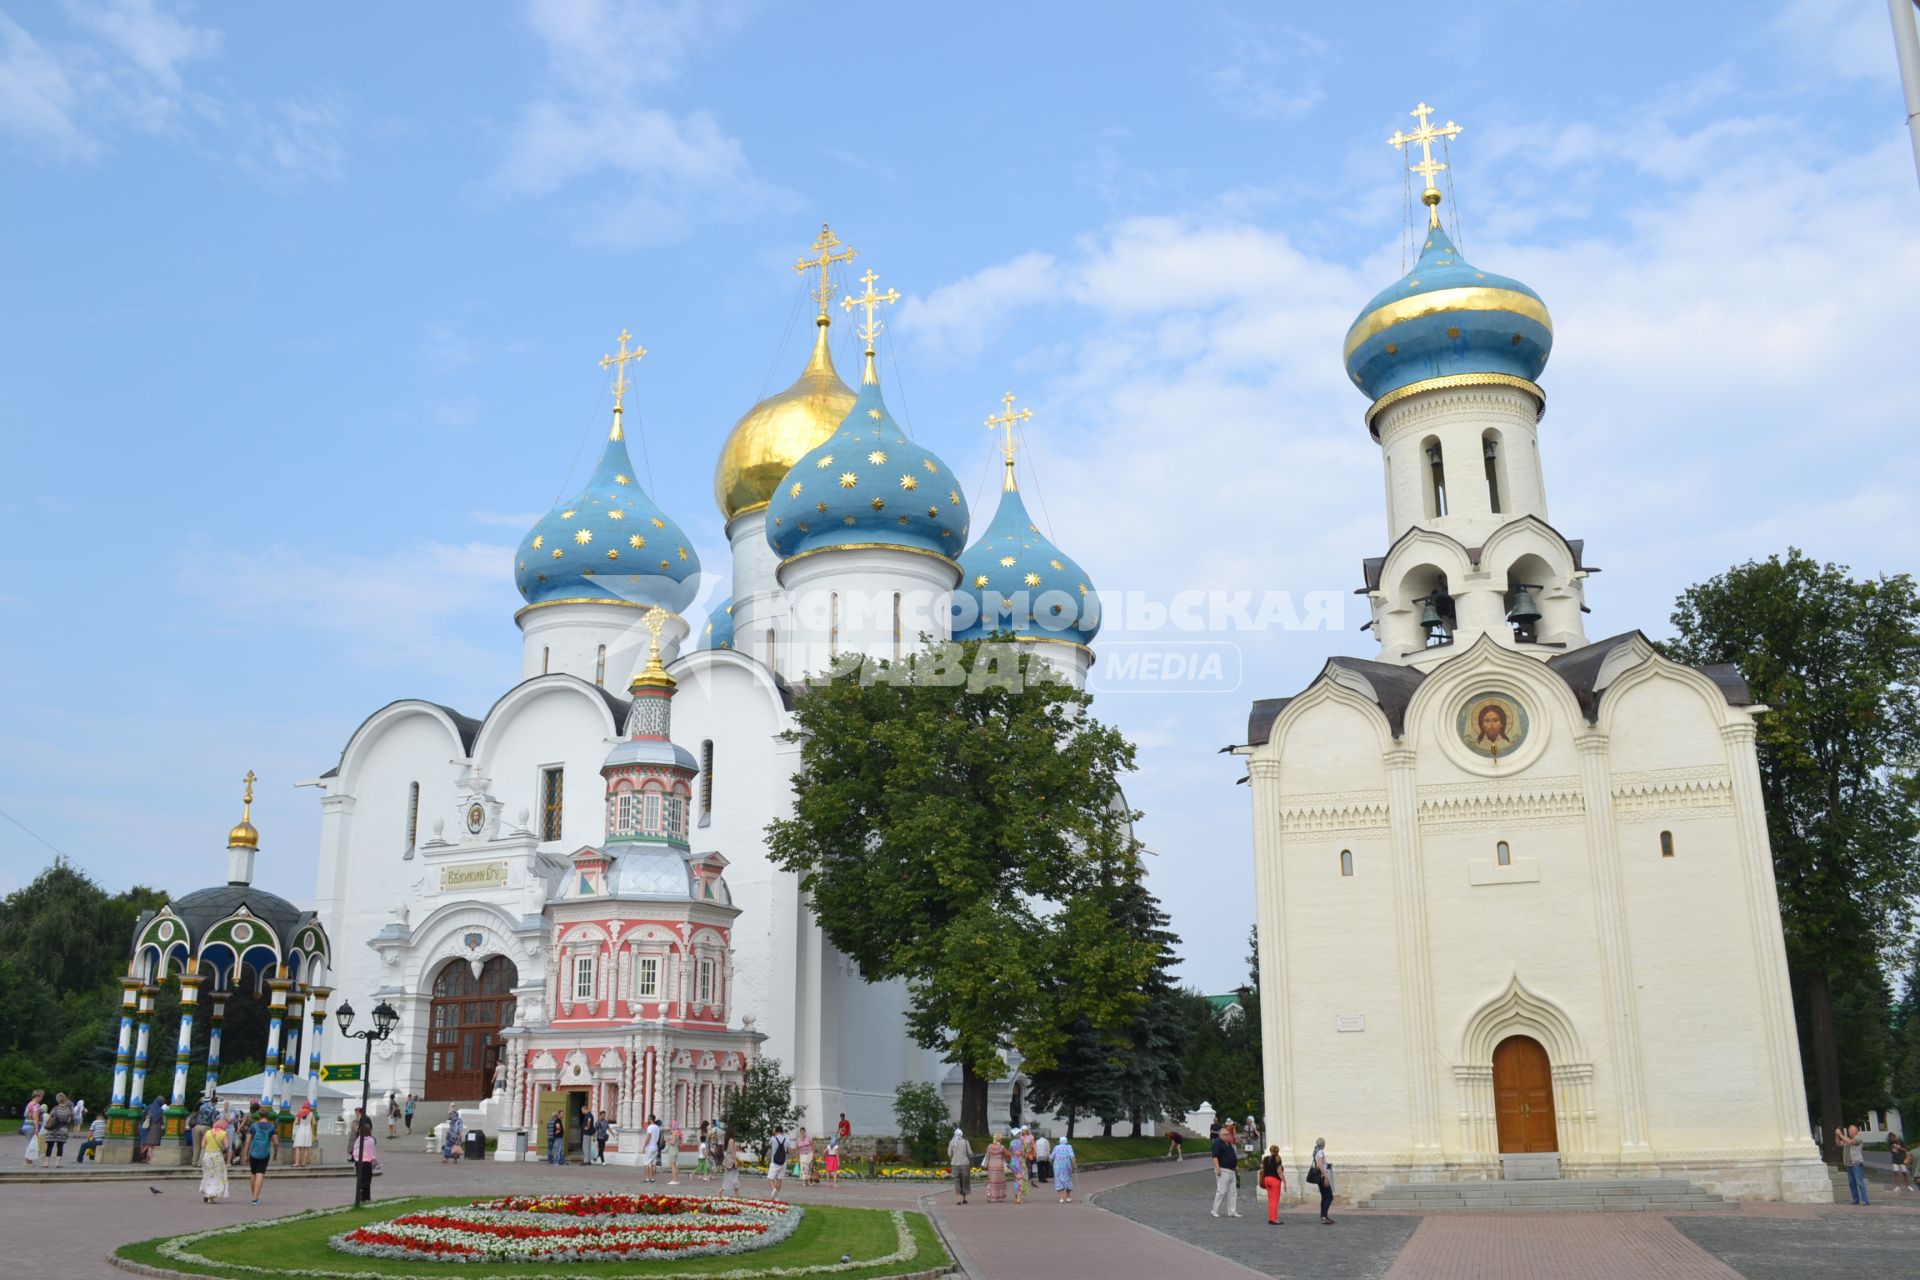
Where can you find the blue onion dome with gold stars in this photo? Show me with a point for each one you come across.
(867, 484)
(610, 542)
(718, 633)
(1445, 319)
(1014, 580)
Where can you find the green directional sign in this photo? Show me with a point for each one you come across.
(339, 1072)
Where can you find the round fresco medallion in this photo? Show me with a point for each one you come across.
(1493, 725)
(242, 932)
(476, 817)
(166, 931)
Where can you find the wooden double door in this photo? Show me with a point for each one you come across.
(1523, 1096)
(463, 1038)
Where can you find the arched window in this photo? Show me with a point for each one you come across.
(413, 817)
(1666, 844)
(1503, 854)
(833, 625)
(1437, 480)
(896, 626)
(600, 667)
(706, 782)
(1490, 450)
(1346, 862)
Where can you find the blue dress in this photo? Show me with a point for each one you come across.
(1063, 1167)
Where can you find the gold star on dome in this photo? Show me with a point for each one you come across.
(616, 514)
(979, 579)
(612, 554)
(622, 480)
(932, 512)
(1032, 579)
(539, 577)
(665, 565)
(794, 490)
(583, 536)
(848, 479)
(903, 519)
(877, 458)
(637, 542)
(683, 553)
(879, 504)
(658, 523)
(846, 519)
(909, 482)
(538, 538)
(826, 460)
(804, 527)
(928, 463)
(566, 515)
(1006, 562)
(523, 564)
(821, 507)
(946, 533)
(1083, 588)
(953, 496)
(1056, 564)
(557, 553)
(874, 414)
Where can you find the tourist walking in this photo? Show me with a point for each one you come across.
(803, 1152)
(203, 1117)
(364, 1153)
(996, 1164)
(393, 1114)
(153, 1129)
(730, 1168)
(676, 1138)
(263, 1144)
(960, 1164)
(1030, 1153)
(1321, 1175)
(1063, 1160)
(601, 1132)
(1042, 1159)
(303, 1136)
(650, 1149)
(776, 1161)
(589, 1144)
(1226, 1171)
(556, 1139)
(1273, 1176)
(1017, 1166)
(30, 1125)
(703, 1153)
(456, 1130)
(833, 1161)
(406, 1113)
(1902, 1162)
(96, 1139)
(1853, 1156)
(57, 1129)
(213, 1161)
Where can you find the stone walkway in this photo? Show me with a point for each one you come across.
(1143, 1221)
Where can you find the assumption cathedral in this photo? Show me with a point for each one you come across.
(567, 896)
(1514, 891)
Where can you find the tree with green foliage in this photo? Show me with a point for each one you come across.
(954, 817)
(1837, 661)
(1148, 1071)
(921, 1113)
(1084, 1079)
(763, 1102)
(1904, 1046)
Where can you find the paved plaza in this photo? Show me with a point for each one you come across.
(1141, 1221)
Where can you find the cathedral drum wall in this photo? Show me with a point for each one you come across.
(562, 725)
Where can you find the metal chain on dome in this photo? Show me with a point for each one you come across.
(1406, 217)
(566, 482)
(1453, 205)
(779, 352)
(1033, 472)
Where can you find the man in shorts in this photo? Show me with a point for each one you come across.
(263, 1144)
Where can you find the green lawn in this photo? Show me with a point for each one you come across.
(823, 1235)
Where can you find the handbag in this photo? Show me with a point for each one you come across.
(1313, 1175)
(26, 1128)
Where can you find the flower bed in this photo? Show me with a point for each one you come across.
(582, 1228)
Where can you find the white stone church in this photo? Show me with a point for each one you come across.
(506, 862)
(1514, 891)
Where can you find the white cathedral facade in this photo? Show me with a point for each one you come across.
(1515, 897)
(463, 851)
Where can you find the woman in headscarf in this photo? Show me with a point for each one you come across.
(996, 1171)
(1017, 1168)
(1063, 1159)
(303, 1136)
(456, 1130)
(959, 1163)
(213, 1162)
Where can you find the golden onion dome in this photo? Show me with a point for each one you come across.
(779, 431)
(242, 834)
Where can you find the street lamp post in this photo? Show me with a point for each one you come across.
(384, 1021)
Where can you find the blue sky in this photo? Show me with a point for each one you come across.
(303, 305)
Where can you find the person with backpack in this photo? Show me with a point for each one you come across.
(263, 1144)
(776, 1161)
(58, 1127)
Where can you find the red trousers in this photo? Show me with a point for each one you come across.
(1273, 1199)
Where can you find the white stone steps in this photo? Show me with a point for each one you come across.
(1551, 1195)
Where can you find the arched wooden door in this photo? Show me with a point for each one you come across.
(463, 1036)
(1523, 1096)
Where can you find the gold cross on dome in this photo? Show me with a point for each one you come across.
(1005, 421)
(618, 363)
(1425, 135)
(247, 800)
(870, 302)
(824, 245)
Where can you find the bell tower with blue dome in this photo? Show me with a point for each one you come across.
(1449, 358)
(867, 527)
(592, 566)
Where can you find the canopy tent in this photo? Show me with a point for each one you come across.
(251, 1087)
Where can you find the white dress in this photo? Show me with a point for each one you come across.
(303, 1132)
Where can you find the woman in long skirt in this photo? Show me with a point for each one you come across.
(1017, 1168)
(996, 1171)
(1063, 1158)
(456, 1130)
(213, 1163)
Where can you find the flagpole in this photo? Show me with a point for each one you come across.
(1906, 44)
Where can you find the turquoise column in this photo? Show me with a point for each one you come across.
(137, 1091)
(183, 1043)
(278, 1007)
(123, 1054)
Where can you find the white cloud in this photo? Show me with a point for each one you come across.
(296, 141)
(956, 318)
(670, 170)
(1270, 74)
(39, 98)
(1840, 37)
